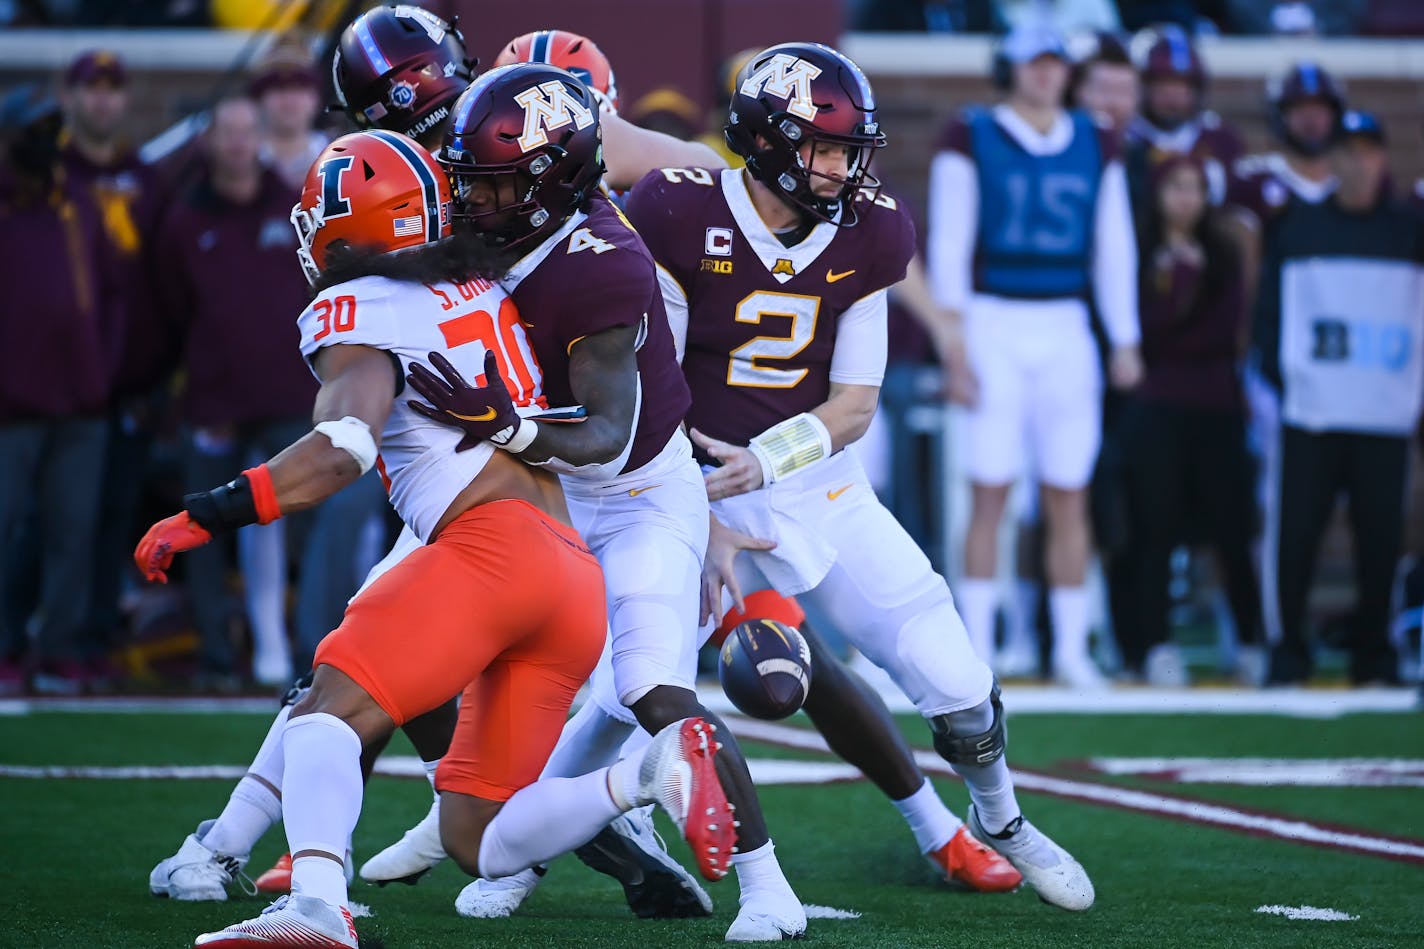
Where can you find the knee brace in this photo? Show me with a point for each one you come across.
(980, 749)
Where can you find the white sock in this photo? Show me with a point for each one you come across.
(252, 807)
(250, 810)
(759, 875)
(321, 800)
(430, 768)
(1022, 631)
(545, 819)
(590, 741)
(262, 555)
(321, 877)
(268, 763)
(930, 821)
(1069, 608)
(977, 599)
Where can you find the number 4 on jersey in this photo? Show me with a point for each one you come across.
(583, 239)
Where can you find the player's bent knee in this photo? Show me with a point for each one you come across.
(664, 705)
(975, 736)
(463, 819)
(335, 693)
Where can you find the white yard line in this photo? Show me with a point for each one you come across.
(1273, 772)
(1018, 699)
(1197, 812)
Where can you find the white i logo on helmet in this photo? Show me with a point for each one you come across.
(786, 77)
(549, 106)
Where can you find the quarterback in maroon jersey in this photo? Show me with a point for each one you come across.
(775, 279)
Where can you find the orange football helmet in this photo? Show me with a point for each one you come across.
(577, 54)
(376, 190)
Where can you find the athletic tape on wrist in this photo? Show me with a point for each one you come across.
(523, 436)
(791, 446)
(352, 436)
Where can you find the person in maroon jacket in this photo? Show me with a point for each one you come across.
(228, 284)
(57, 331)
(1184, 432)
(95, 156)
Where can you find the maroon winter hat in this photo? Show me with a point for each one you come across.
(95, 66)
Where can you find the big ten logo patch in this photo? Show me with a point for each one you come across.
(716, 266)
(1338, 340)
(549, 106)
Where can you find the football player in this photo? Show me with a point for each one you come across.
(775, 280)
(587, 288)
(1028, 216)
(469, 610)
(401, 68)
(1175, 119)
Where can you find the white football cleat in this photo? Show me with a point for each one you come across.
(679, 775)
(1165, 667)
(758, 924)
(1058, 879)
(197, 874)
(497, 898)
(411, 857)
(293, 922)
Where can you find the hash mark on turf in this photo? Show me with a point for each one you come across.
(1307, 912)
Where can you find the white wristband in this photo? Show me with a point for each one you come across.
(522, 438)
(791, 446)
(352, 436)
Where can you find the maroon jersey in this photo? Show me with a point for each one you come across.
(1262, 184)
(762, 318)
(1209, 140)
(597, 275)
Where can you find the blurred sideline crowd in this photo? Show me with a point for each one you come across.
(1231, 17)
(154, 305)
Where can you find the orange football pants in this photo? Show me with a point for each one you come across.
(506, 606)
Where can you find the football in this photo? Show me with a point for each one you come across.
(765, 668)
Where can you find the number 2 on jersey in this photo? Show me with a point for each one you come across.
(745, 368)
(503, 336)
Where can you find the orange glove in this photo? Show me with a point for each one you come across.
(169, 536)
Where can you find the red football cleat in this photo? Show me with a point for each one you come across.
(964, 861)
(679, 773)
(278, 879)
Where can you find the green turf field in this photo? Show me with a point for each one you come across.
(78, 852)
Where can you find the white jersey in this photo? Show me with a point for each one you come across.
(418, 461)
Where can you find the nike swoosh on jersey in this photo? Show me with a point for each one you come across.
(634, 492)
(832, 276)
(487, 416)
(832, 495)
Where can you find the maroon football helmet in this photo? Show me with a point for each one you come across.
(400, 68)
(524, 150)
(796, 94)
(1172, 56)
(1304, 82)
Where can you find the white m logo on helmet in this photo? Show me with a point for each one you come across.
(549, 106)
(786, 77)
